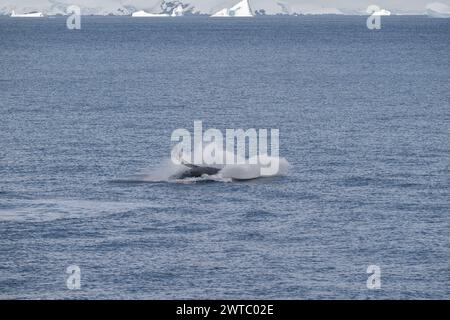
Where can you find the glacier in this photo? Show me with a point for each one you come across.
(438, 10)
(217, 7)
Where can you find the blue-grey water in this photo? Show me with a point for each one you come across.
(364, 120)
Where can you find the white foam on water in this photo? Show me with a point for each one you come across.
(40, 210)
(168, 171)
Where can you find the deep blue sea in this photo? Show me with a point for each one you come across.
(364, 120)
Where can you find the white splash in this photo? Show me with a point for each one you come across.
(167, 171)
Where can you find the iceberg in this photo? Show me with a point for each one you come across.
(438, 10)
(34, 14)
(382, 12)
(241, 9)
(143, 14)
(221, 13)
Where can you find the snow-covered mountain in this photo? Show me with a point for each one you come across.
(438, 10)
(207, 7)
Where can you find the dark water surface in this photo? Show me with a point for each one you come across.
(364, 119)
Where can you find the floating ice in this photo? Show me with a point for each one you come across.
(143, 14)
(27, 15)
(241, 9)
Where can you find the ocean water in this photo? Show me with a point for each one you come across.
(364, 120)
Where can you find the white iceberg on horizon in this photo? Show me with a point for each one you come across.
(382, 12)
(241, 9)
(27, 15)
(438, 10)
(221, 13)
(143, 14)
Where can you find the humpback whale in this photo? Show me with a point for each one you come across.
(195, 171)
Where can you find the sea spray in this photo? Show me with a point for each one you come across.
(210, 149)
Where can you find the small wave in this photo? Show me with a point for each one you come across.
(203, 178)
(41, 210)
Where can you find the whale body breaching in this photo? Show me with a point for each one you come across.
(196, 171)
